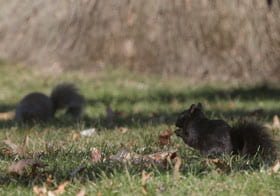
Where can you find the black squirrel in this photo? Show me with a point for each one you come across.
(215, 137)
(39, 107)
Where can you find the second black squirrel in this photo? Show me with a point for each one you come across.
(216, 137)
(39, 107)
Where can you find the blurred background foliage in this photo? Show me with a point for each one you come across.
(202, 40)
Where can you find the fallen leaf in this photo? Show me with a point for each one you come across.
(16, 149)
(275, 167)
(276, 122)
(81, 193)
(13, 147)
(49, 180)
(177, 166)
(123, 129)
(145, 177)
(50, 193)
(130, 144)
(95, 155)
(160, 159)
(6, 151)
(25, 145)
(124, 156)
(61, 188)
(144, 190)
(87, 132)
(20, 167)
(6, 115)
(219, 164)
(76, 136)
(99, 193)
(164, 137)
(40, 191)
(229, 105)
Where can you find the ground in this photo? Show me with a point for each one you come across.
(130, 110)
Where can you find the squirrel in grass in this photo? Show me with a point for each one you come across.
(216, 137)
(39, 107)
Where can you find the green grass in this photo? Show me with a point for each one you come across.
(148, 105)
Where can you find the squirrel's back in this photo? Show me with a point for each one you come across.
(34, 107)
(66, 95)
(39, 107)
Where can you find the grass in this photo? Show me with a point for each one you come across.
(147, 105)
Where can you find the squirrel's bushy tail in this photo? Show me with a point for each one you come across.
(67, 96)
(251, 138)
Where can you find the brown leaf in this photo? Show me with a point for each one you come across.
(76, 136)
(81, 193)
(25, 145)
(6, 151)
(219, 164)
(20, 167)
(275, 167)
(123, 129)
(164, 137)
(124, 156)
(145, 177)
(130, 144)
(177, 166)
(40, 191)
(99, 193)
(160, 159)
(61, 188)
(14, 148)
(229, 105)
(95, 155)
(6, 115)
(144, 190)
(276, 122)
(49, 180)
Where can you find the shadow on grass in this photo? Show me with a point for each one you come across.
(165, 97)
(7, 107)
(260, 93)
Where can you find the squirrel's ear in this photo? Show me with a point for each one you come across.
(192, 108)
(199, 106)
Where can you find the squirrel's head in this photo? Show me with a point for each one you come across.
(189, 114)
(184, 118)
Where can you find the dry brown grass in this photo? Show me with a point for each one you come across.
(222, 40)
